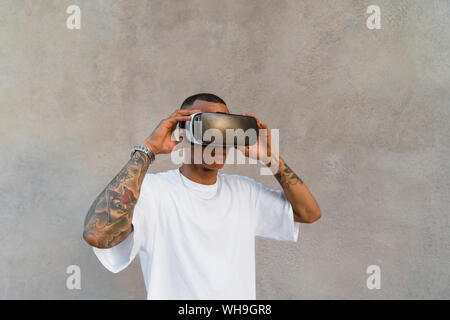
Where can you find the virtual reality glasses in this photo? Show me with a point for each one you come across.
(218, 129)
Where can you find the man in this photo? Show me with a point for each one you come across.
(193, 227)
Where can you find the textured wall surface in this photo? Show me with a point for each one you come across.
(363, 117)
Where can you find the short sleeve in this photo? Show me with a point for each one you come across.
(274, 216)
(117, 258)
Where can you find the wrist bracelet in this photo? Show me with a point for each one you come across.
(144, 149)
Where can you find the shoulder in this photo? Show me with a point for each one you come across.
(160, 179)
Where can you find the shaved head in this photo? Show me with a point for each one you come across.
(189, 103)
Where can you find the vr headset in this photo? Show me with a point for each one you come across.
(219, 129)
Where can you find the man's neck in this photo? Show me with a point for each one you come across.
(199, 174)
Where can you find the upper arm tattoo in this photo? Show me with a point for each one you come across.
(108, 221)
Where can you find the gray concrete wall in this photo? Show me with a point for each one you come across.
(363, 114)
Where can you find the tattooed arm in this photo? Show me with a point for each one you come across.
(108, 221)
(304, 205)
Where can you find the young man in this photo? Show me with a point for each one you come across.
(193, 227)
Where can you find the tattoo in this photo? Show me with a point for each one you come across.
(286, 177)
(108, 221)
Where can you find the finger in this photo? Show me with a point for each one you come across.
(171, 123)
(264, 126)
(184, 112)
(252, 115)
(269, 136)
(257, 120)
(175, 119)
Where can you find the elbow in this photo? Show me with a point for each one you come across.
(312, 217)
(100, 242)
(316, 217)
(89, 238)
(92, 240)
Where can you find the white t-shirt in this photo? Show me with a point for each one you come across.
(197, 241)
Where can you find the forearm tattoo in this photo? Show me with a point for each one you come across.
(286, 177)
(108, 221)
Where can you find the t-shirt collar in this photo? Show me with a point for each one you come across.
(208, 189)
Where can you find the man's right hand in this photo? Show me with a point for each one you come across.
(160, 141)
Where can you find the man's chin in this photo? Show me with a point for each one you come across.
(214, 166)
